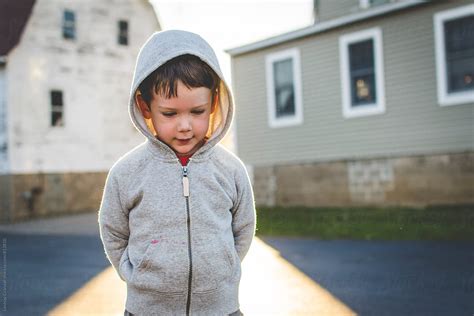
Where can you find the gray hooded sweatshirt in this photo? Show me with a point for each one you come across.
(178, 248)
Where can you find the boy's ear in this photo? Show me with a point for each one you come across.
(142, 105)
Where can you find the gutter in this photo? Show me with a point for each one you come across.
(325, 26)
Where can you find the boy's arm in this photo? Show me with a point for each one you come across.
(243, 214)
(113, 224)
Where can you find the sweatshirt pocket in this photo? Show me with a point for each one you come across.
(213, 264)
(162, 269)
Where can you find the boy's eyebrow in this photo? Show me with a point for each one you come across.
(173, 109)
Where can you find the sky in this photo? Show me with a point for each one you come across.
(229, 23)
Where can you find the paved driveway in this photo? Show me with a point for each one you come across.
(42, 270)
(59, 265)
(389, 277)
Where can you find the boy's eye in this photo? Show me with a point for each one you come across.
(168, 113)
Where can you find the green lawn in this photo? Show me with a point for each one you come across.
(440, 223)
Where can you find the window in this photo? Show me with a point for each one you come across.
(454, 42)
(57, 108)
(69, 25)
(362, 73)
(123, 33)
(284, 98)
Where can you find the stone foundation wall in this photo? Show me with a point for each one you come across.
(408, 181)
(38, 195)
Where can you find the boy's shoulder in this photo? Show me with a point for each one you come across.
(227, 158)
(131, 162)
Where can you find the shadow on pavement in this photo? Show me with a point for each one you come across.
(43, 270)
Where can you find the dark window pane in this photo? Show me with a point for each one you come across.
(57, 108)
(56, 98)
(57, 118)
(123, 33)
(69, 25)
(284, 87)
(362, 73)
(459, 45)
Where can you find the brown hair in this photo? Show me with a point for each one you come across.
(189, 69)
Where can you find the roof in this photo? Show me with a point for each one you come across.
(13, 18)
(325, 26)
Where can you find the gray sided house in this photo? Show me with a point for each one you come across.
(373, 104)
(65, 73)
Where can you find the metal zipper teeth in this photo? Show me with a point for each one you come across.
(188, 304)
(188, 224)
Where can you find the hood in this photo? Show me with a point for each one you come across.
(160, 48)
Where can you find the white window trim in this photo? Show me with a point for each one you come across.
(445, 98)
(364, 4)
(369, 109)
(297, 119)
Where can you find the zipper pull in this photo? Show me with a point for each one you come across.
(185, 181)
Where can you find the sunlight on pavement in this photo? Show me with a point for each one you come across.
(270, 286)
(102, 295)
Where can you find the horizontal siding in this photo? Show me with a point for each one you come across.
(330, 9)
(413, 123)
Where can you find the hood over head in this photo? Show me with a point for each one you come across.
(157, 50)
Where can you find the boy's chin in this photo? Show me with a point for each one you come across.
(186, 150)
(180, 152)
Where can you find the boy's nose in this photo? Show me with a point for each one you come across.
(184, 125)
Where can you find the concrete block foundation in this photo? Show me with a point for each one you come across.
(417, 181)
(28, 196)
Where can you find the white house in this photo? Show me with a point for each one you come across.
(65, 74)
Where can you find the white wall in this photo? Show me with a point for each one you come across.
(93, 72)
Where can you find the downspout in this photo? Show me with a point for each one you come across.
(5, 182)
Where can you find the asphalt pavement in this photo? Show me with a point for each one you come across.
(57, 266)
(388, 277)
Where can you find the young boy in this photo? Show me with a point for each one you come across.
(177, 216)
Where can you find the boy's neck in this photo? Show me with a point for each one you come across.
(184, 159)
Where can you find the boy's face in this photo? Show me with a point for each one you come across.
(181, 122)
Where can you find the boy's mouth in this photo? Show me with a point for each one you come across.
(183, 141)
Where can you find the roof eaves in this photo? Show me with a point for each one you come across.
(324, 26)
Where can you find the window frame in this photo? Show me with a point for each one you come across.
(446, 98)
(364, 4)
(378, 107)
(270, 59)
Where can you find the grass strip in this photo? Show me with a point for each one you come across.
(368, 223)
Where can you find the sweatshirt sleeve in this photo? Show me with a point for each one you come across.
(243, 213)
(113, 224)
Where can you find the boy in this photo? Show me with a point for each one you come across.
(177, 216)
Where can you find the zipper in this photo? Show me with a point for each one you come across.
(188, 224)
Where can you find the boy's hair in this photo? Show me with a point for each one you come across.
(189, 69)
